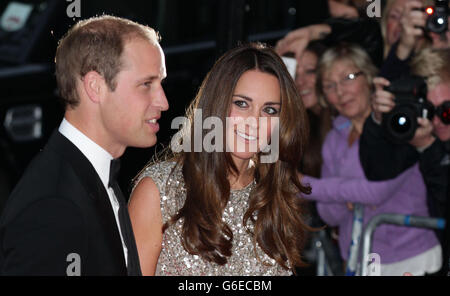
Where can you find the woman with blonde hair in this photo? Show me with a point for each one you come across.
(345, 79)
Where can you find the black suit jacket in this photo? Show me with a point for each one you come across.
(60, 207)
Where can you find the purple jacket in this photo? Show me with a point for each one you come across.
(343, 180)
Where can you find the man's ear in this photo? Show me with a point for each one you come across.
(94, 85)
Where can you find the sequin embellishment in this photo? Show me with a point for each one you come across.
(175, 260)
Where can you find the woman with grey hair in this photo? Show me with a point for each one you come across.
(345, 82)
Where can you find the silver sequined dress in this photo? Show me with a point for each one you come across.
(174, 260)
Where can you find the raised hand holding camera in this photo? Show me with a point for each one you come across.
(423, 137)
(410, 94)
(382, 100)
(297, 40)
(413, 21)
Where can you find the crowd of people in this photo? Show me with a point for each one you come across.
(232, 210)
(361, 162)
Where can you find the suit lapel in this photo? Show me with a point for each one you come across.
(93, 185)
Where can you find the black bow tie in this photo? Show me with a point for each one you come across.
(114, 170)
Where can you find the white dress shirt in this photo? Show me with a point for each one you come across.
(100, 160)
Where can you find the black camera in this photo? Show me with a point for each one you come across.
(437, 20)
(410, 94)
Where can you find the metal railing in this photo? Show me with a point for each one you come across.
(329, 262)
(395, 219)
(357, 229)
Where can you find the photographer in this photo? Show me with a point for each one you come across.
(345, 76)
(407, 28)
(383, 157)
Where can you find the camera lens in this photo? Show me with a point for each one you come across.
(410, 103)
(437, 17)
(401, 123)
(437, 24)
(438, 21)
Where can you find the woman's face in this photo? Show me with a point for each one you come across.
(393, 25)
(347, 89)
(256, 99)
(305, 78)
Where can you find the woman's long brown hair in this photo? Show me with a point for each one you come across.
(275, 210)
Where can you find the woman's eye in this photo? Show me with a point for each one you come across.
(241, 104)
(271, 110)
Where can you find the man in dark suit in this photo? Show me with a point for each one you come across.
(67, 215)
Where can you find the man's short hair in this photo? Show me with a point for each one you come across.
(95, 44)
(433, 64)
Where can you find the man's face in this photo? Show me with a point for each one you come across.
(130, 112)
(437, 95)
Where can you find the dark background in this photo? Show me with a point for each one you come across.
(194, 34)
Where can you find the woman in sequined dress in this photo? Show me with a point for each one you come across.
(232, 212)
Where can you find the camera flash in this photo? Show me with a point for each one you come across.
(429, 10)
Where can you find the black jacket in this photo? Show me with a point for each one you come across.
(60, 207)
(382, 159)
